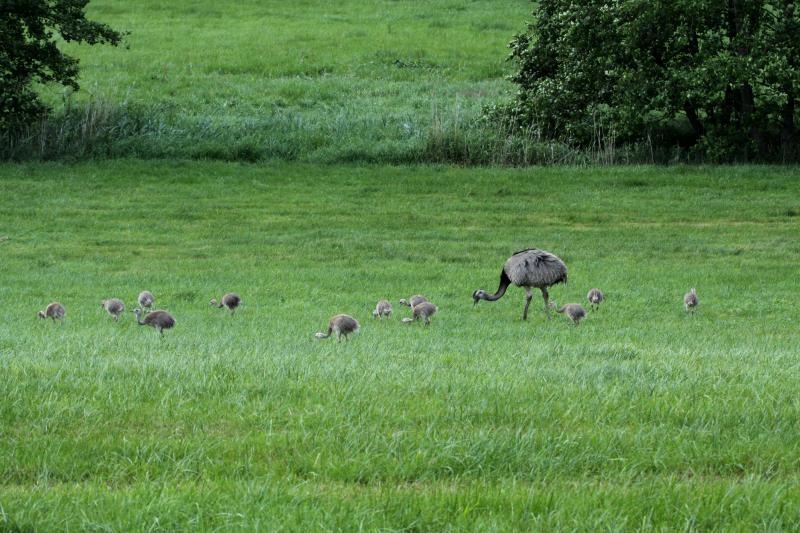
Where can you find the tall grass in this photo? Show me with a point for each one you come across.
(100, 129)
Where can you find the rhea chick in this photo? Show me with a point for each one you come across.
(158, 320)
(146, 299)
(690, 301)
(55, 311)
(595, 298)
(575, 312)
(230, 300)
(382, 309)
(113, 307)
(424, 311)
(413, 301)
(342, 325)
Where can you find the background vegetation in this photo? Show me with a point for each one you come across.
(720, 78)
(641, 417)
(389, 82)
(29, 53)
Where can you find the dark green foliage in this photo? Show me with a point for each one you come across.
(721, 76)
(29, 54)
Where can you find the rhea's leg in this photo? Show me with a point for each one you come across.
(546, 297)
(528, 297)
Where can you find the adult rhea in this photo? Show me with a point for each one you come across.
(528, 269)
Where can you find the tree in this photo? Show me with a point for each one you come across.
(726, 71)
(29, 53)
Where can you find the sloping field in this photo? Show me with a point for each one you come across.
(353, 80)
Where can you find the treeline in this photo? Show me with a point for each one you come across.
(598, 82)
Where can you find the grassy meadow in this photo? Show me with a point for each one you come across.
(639, 418)
(327, 82)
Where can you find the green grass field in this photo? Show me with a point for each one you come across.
(639, 418)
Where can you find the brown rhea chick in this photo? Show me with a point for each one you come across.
(595, 297)
(113, 307)
(690, 301)
(413, 301)
(55, 311)
(423, 311)
(382, 309)
(146, 299)
(231, 301)
(158, 320)
(342, 325)
(575, 312)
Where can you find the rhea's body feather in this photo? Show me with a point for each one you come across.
(424, 311)
(382, 309)
(158, 320)
(113, 307)
(595, 297)
(54, 311)
(342, 325)
(231, 301)
(146, 299)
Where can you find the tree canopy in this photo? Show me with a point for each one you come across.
(29, 53)
(725, 72)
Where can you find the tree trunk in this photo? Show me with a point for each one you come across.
(694, 120)
(788, 146)
(748, 121)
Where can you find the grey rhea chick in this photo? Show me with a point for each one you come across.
(342, 325)
(424, 311)
(413, 301)
(113, 307)
(595, 297)
(382, 309)
(54, 311)
(158, 320)
(230, 300)
(575, 312)
(146, 299)
(690, 301)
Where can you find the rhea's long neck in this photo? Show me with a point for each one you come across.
(501, 290)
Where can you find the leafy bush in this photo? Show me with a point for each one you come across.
(720, 76)
(29, 54)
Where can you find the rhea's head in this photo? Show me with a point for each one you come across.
(478, 295)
